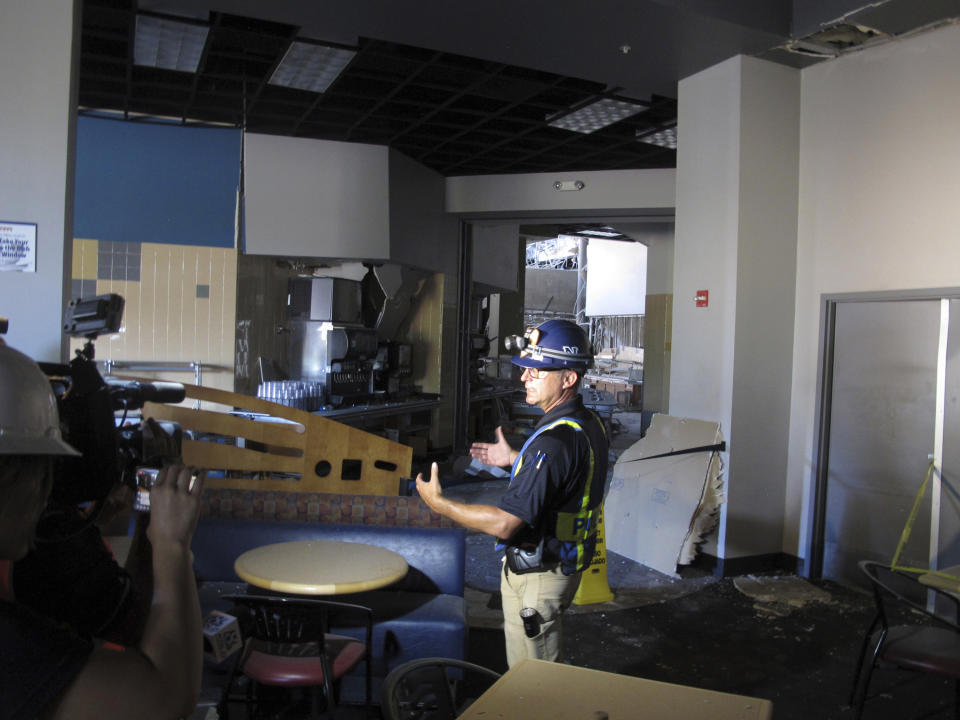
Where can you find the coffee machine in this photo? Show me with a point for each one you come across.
(327, 342)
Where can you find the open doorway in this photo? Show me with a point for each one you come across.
(614, 279)
(887, 419)
(566, 269)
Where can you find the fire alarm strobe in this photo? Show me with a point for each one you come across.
(702, 297)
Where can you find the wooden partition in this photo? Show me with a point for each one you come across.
(328, 456)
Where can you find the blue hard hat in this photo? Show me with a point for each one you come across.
(553, 345)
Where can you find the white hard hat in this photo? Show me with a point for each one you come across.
(29, 423)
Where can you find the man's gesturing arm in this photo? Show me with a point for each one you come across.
(498, 453)
(483, 518)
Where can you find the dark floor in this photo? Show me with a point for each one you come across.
(777, 637)
(799, 657)
(799, 654)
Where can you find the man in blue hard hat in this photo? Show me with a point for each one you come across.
(547, 519)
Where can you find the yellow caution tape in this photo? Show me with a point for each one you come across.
(907, 529)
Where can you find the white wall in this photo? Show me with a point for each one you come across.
(705, 258)
(763, 339)
(325, 199)
(421, 233)
(658, 237)
(316, 198)
(879, 204)
(37, 137)
(650, 190)
(735, 237)
(496, 256)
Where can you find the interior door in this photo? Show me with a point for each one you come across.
(882, 429)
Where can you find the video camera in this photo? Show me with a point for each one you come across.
(111, 451)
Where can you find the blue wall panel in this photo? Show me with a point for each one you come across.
(156, 183)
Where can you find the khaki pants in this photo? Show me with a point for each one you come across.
(549, 592)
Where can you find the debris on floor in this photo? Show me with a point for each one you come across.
(780, 594)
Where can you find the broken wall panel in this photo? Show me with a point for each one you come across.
(658, 509)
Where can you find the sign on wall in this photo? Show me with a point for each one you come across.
(18, 247)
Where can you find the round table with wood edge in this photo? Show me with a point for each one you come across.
(320, 567)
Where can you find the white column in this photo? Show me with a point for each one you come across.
(38, 44)
(737, 179)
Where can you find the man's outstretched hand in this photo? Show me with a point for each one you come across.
(499, 453)
(430, 490)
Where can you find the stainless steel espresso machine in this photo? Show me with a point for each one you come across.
(329, 346)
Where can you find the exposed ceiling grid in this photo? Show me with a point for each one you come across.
(454, 114)
(413, 84)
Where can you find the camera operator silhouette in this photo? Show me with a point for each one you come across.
(51, 667)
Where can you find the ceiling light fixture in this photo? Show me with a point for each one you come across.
(169, 43)
(664, 137)
(600, 233)
(596, 115)
(311, 66)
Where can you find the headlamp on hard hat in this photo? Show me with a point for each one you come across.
(552, 344)
(518, 343)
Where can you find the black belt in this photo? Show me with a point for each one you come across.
(543, 568)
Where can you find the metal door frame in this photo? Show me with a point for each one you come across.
(824, 405)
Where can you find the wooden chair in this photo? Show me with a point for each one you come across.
(288, 644)
(931, 647)
(433, 689)
(328, 456)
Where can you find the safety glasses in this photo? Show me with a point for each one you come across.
(540, 373)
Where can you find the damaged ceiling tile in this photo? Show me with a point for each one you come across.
(837, 40)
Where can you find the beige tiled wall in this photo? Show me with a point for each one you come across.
(432, 332)
(425, 334)
(656, 358)
(164, 320)
(85, 259)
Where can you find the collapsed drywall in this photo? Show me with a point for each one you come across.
(658, 509)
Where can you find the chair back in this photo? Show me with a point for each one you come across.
(286, 643)
(288, 622)
(915, 628)
(433, 689)
(892, 586)
(283, 619)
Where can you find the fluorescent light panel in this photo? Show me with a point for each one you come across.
(600, 233)
(168, 44)
(666, 138)
(594, 116)
(308, 66)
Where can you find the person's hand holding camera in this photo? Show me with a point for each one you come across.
(172, 640)
(174, 507)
